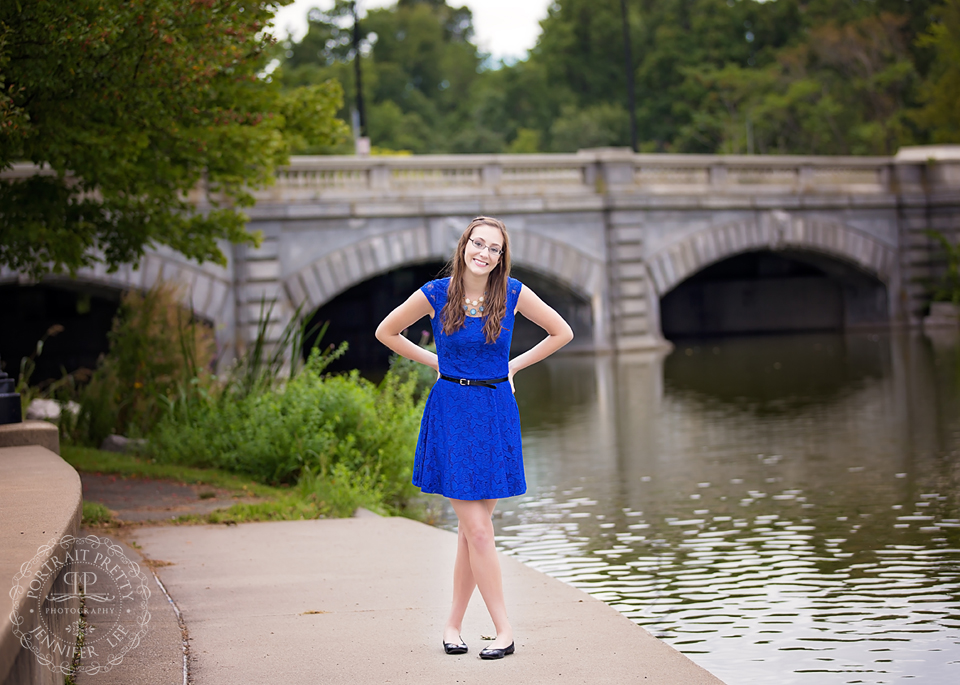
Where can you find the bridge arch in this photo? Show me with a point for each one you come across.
(335, 272)
(776, 230)
(204, 289)
(33, 306)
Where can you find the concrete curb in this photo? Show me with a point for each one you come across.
(40, 502)
(40, 433)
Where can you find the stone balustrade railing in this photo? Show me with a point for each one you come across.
(597, 171)
(591, 172)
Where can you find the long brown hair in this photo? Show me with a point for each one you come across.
(453, 314)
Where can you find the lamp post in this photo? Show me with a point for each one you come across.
(362, 141)
(628, 59)
(9, 400)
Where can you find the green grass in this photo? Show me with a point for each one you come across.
(284, 508)
(95, 514)
(314, 497)
(279, 504)
(90, 460)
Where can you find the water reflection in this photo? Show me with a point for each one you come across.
(778, 508)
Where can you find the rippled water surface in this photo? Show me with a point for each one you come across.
(780, 509)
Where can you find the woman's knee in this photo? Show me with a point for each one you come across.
(479, 536)
(475, 526)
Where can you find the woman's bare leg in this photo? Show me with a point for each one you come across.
(476, 528)
(463, 582)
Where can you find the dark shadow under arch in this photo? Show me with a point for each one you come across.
(354, 314)
(85, 311)
(575, 310)
(767, 291)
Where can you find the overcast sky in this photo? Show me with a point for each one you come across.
(504, 28)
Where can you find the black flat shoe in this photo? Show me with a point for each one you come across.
(454, 648)
(489, 653)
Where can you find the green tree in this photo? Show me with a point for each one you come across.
(683, 38)
(419, 72)
(601, 125)
(844, 90)
(732, 76)
(940, 94)
(526, 141)
(725, 119)
(519, 97)
(580, 55)
(581, 50)
(152, 120)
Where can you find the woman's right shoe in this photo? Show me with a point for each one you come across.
(454, 648)
(489, 653)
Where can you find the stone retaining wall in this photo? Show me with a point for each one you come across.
(40, 502)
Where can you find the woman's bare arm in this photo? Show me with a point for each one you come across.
(542, 314)
(389, 331)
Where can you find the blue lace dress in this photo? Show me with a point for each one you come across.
(469, 444)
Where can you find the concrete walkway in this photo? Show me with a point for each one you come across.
(363, 600)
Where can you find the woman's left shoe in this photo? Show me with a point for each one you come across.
(489, 653)
(454, 648)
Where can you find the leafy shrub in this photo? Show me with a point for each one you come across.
(340, 492)
(947, 288)
(341, 441)
(422, 376)
(155, 345)
(301, 432)
(100, 401)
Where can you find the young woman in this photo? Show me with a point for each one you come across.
(469, 445)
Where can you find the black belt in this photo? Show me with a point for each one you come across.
(486, 383)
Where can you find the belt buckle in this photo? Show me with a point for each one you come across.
(464, 381)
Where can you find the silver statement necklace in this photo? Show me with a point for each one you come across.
(473, 307)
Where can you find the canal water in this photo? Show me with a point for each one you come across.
(780, 509)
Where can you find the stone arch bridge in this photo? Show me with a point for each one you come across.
(614, 229)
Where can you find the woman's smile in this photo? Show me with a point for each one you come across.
(479, 259)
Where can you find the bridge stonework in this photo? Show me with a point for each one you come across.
(617, 230)
(774, 230)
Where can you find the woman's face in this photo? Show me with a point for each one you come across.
(477, 255)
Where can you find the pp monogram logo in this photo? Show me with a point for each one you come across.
(80, 599)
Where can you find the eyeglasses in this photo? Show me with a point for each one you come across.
(495, 252)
